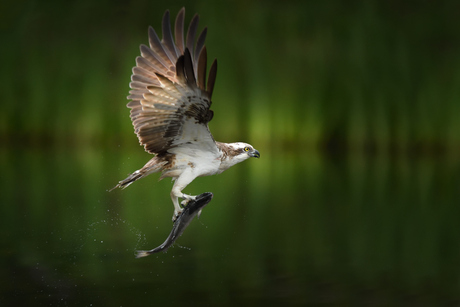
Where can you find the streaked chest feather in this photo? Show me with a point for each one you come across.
(200, 163)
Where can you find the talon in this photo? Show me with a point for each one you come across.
(184, 203)
(176, 215)
(187, 199)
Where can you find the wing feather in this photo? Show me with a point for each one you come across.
(168, 40)
(154, 60)
(158, 49)
(188, 68)
(191, 32)
(199, 47)
(201, 69)
(169, 101)
(142, 79)
(135, 96)
(212, 78)
(139, 71)
(179, 31)
(138, 85)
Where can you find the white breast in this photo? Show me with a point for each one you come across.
(202, 162)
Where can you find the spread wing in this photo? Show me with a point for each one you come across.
(170, 98)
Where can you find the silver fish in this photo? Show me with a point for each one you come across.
(192, 209)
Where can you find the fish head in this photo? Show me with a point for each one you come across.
(199, 203)
(203, 199)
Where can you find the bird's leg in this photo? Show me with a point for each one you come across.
(177, 208)
(180, 183)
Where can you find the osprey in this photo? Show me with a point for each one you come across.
(170, 101)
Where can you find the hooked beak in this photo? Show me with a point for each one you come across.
(255, 154)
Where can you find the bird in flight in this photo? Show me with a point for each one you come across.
(170, 110)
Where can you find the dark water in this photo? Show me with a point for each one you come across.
(291, 228)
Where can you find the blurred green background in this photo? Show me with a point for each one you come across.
(354, 106)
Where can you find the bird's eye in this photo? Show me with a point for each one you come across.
(246, 148)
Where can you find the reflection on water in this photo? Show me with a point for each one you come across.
(298, 228)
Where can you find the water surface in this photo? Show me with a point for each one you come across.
(293, 227)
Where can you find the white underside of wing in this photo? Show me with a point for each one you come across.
(195, 137)
(195, 150)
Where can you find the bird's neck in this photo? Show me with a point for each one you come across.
(228, 156)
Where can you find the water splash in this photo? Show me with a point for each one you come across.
(91, 232)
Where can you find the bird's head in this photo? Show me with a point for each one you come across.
(242, 151)
(233, 153)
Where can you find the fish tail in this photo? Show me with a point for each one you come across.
(153, 166)
(140, 254)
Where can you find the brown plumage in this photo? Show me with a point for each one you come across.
(153, 114)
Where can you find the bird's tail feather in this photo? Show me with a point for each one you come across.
(152, 166)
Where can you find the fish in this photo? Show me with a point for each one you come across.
(192, 209)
